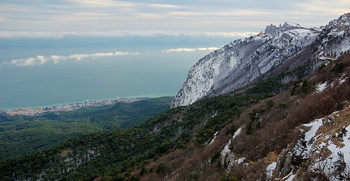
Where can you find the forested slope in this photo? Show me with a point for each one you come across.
(20, 135)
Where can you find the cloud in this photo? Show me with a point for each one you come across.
(235, 12)
(337, 7)
(62, 34)
(103, 3)
(169, 6)
(189, 49)
(222, 15)
(31, 61)
(24, 62)
(40, 60)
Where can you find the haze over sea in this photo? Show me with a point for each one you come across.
(39, 72)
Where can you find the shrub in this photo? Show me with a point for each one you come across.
(255, 114)
(231, 130)
(133, 178)
(194, 176)
(161, 168)
(297, 160)
(338, 67)
(321, 67)
(143, 170)
(282, 105)
(269, 104)
(249, 128)
(229, 177)
(307, 87)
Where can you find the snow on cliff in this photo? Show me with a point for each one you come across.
(242, 61)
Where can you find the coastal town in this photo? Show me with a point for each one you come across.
(68, 107)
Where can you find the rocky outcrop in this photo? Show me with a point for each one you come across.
(323, 150)
(274, 30)
(334, 40)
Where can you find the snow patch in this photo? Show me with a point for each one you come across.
(226, 150)
(322, 87)
(227, 155)
(342, 81)
(270, 168)
(239, 130)
(314, 126)
(290, 178)
(212, 141)
(340, 155)
(240, 160)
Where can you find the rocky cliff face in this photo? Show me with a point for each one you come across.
(242, 61)
(335, 37)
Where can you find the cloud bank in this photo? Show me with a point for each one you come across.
(147, 15)
(189, 49)
(55, 59)
(40, 60)
(63, 34)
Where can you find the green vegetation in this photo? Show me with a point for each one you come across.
(161, 168)
(20, 135)
(338, 67)
(303, 86)
(227, 107)
(92, 155)
(271, 85)
(117, 153)
(307, 87)
(194, 176)
(229, 177)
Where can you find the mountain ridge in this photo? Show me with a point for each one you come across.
(243, 61)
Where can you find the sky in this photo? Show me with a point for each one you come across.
(106, 18)
(182, 19)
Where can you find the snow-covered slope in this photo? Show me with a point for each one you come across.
(325, 148)
(242, 61)
(335, 37)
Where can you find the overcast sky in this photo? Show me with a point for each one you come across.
(58, 18)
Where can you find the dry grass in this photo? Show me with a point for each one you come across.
(278, 129)
(65, 152)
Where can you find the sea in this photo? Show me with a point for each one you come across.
(42, 72)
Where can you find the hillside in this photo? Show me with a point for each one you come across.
(295, 134)
(197, 141)
(20, 135)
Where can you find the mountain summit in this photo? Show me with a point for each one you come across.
(242, 61)
(273, 30)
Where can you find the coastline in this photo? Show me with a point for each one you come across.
(155, 95)
(33, 111)
(29, 111)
